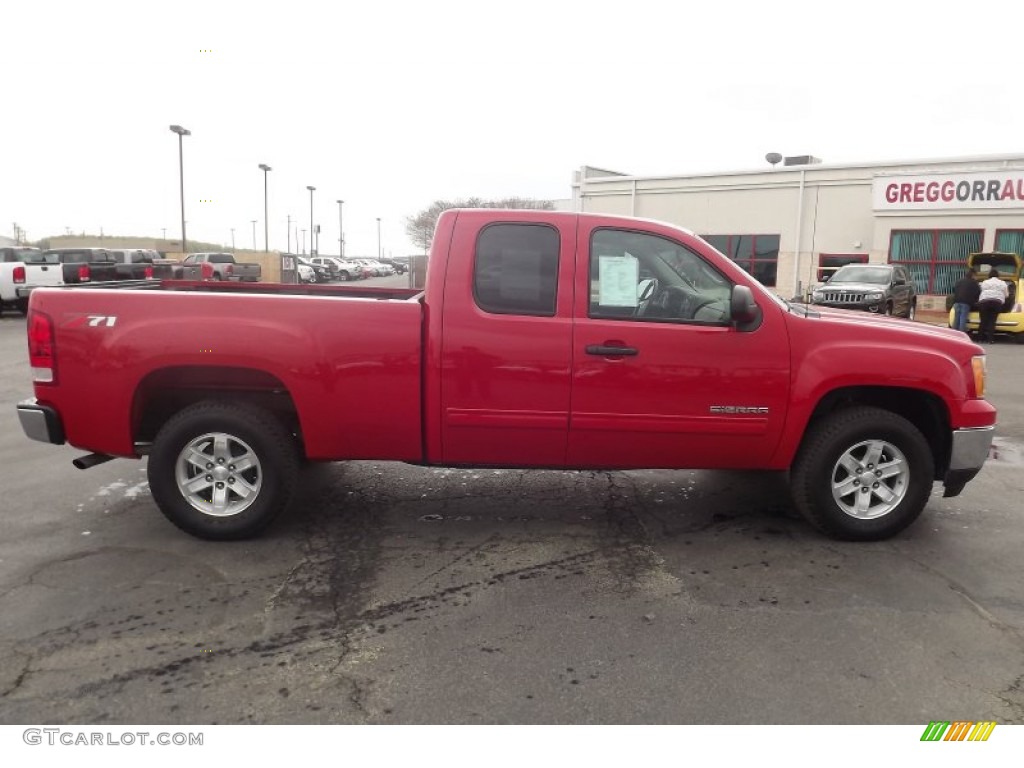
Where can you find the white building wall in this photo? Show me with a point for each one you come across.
(837, 215)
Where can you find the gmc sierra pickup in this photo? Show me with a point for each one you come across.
(541, 339)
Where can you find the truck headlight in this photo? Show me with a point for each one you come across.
(873, 296)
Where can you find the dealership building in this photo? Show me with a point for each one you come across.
(793, 222)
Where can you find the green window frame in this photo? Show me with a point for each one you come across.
(756, 254)
(935, 258)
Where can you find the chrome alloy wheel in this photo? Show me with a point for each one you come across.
(218, 474)
(870, 479)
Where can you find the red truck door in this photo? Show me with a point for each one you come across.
(507, 340)
(661, 378)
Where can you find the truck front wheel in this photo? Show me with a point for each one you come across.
(222, 470)
(862, 474)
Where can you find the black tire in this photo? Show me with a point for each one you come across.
(344, 276)
(888, 310)
(277, 466)
(912, 310)
(22, 306)
(845, 434)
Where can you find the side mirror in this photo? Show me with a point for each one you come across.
(743, 310)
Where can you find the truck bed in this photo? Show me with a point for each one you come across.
(349, 359)
(290, 289)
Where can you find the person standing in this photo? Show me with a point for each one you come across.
(993, 294)
(966, 293)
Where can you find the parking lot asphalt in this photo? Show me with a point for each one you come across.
(400, 594)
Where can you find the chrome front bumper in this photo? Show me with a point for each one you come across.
(969, 450)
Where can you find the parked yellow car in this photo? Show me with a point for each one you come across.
(1011, 319)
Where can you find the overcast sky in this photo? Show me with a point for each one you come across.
(391, 105)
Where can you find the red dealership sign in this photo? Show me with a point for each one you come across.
(942, 191)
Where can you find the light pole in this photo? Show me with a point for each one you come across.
(165, 232)
(303, 242)
(341, 229)
(266, 222)
(378, 237)
(289, 233)
(232, 238)
(254, 233)
(311, 190)
(181, 177)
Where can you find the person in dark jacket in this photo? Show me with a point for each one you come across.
(965, 296)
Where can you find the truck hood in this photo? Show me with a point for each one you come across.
(852, 287)
(906, 328)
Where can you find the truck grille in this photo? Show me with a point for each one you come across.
(836, 297)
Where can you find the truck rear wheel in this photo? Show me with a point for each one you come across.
(222, 470)
(862, 474)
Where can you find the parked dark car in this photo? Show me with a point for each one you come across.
(885, 289)
(323, 274)
(141, 264)
(400, 266)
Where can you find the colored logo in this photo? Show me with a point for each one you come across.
(958, 730)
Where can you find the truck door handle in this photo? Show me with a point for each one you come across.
(604, 351)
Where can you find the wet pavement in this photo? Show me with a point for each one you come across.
(399, 594)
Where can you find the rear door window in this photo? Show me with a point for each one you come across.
(515, 271)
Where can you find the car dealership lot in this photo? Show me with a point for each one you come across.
(399, 594)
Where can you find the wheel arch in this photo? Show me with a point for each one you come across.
(925, 410)
(164, 392)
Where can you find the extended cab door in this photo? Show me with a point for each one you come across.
(661, 377)
(507, 341)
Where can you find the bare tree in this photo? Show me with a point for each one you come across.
(420, 228)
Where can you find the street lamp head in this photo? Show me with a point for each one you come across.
(264, 167)
(181, 131)
(339, 202)
(311, 188)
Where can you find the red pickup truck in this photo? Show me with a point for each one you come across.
(542, 339)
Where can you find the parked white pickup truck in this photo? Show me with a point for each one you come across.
(20, 271)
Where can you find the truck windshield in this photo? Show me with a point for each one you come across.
(859, 274)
